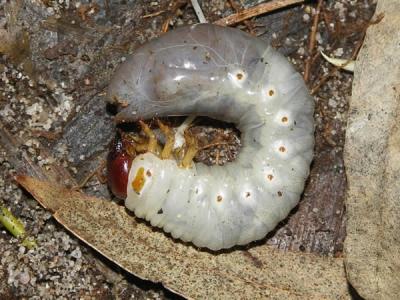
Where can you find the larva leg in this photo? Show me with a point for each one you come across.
(153, 145)
(180, 132)
(191, 150)
(170, 140)
(141, 148)
(131, 141)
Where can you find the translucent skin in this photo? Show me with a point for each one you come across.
(226, 74)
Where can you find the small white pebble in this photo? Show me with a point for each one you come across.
(338, 52)
(301, 51)
(76, 253)
(332, 103)
(24, 277)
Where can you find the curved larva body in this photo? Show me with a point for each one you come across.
(229, 75)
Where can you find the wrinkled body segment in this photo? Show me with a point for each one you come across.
(226, 74)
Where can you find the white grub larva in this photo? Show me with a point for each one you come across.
(226, 74)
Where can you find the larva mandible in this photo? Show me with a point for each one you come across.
(226, 74)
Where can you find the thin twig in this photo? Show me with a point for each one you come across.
(323, 80)
(254, 11)
(217, 158)
(165, 25)
(328, 20)
(198, 11)
(50, 135)
(311, 44)
(97, 172)
(153, 14)
(215, 144)
(174, 6)
(237, 8)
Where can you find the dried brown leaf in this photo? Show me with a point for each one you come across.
(372, 158)
(259, 272)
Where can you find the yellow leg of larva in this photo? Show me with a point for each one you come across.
(130, 141)
(152, 146)
(170, 140)
(141, 148)
(191, 151)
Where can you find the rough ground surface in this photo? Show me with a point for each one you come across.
(372, 155)
(52, 87)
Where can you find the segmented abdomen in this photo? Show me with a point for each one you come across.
(229, 75)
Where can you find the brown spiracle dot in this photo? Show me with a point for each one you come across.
(219, 198)
(280, 193)
(284, 119)
(148, 173)
(239, 76)
(271, 93)
(270, 177)
(282, 149)
(248, 194)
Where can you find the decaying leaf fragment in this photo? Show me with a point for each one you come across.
(259, 272)
(372, 159)
(345, 64)
(15, 227)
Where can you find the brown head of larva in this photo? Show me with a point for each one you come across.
(119, 161)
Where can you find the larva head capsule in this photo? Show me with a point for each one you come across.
(119, 161)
